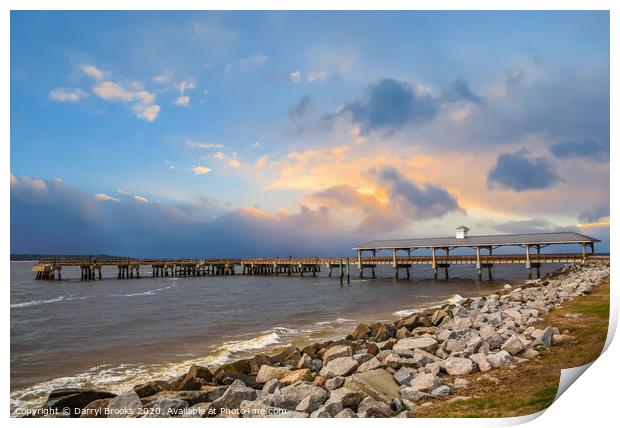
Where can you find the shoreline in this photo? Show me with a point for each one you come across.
(308, 365)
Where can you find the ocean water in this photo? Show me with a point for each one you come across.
(113, 334)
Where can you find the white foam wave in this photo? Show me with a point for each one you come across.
(37, 302)
(145, 293)
(406, 312)
(455, 298)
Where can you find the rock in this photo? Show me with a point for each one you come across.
(200, 373)
(305, 362)
(371, 408)
(164, 407)
(288, 356)
(198, 410)
(403, 376)
(362, 331)
(290, 396)
(125, 405)
(371, 364)
(334, 383)
(402, 333)
(347, 397)
(234, 395)
(427, 344)
(268, 372)
(378, 384)
(191, 397)
(151, 388)
(529, 353)
(433, 368)
(513, 345)
(346, 413)
(271, 385)
(328, 410)
(502, 359)
(384, 332)
(422, 358)
(460, 383)
(320, 413)
(308, 405)
(95, 409)
(455, 345)
(191, 384)
(296, 376)
(457, 366)
(425, 382)
(546, 338)
(74, 398)
(438, 317)
(342, 366)
(411, 394)
(336, 352)
(441, 390)
(317, 365)
(514, 314)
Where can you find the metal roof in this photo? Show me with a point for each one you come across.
(546, 238)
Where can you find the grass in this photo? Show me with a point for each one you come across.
(531, 387)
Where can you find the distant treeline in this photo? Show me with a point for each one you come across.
(28, 257)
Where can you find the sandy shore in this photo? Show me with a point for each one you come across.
(381, 369)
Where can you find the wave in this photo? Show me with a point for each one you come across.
(145, 293)
(37, 302)
(406, 312)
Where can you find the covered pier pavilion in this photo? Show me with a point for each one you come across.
(403, 257)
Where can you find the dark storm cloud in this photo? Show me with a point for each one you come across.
(594, 215)
(460, 91)
(520, 172)
(593, 150)
(418, 202)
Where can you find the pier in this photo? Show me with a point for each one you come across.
(400, 258)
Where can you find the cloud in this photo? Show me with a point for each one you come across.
(418, 202)
(595, 215)
(182, 101)
(201, 145)
(186, 85)
(163, 78)
(201, 170)
(219, 155)
(389, 104)
(530, 226)
(318, 76)
(94, 72)
(141, 199)
(520, 172)
(301, 107)
(67, 95)
(143, 101)
(104, 197)
(256, 145)
(234, 163)
(460, 91)
(261, 162)
(295, 76)
(592, 150)
(253, 60)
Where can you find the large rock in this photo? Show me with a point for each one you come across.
(191, 397)
(513, 345)
(296, 376)
(199, 372)
(403, 376)
(378, 384)
(151, 388)
(337, 352)
(74, 398)
(457, 366)
(290, 396)
(422, 358)
(347, 397)
(96, 409)
(371, 364)
(362, 331)
(125, 405)
(164, 407)
(545, 339)
(234, 395)
(425, 382)
(371, 408)
(481, 361)
(268, 372)
(502, 359)
(383, 332)
(342, 366)
(427, 344)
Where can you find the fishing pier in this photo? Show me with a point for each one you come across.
(444, 252)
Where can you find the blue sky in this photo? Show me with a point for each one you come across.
(335, 126)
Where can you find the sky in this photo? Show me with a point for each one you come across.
(217, 134)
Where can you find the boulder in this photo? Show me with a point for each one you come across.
(371, 364)
(290, 396)
(545, 339)
(296, 376)
(501, 359)
(457, 366)
(513, 345)
(164, 407)
(234, 395)
(378, 384)
(362, 331)
(441, 391)
(74, 398)
(268, 372)
(371, 408)
(125, 405)
(342, 366)
(461, 383)
(346, 396)
(403, 376)
(334, 383)
(383, 332)
(96, 409)
(200, 373)
(191, 397)
(288, 356)
(271, 385)
(402, 333)
(346, 413)
(337, 352)
(425, 382)
(151, 388)
(412, 394)
(308, 405)
(305, 362)
(422, 358)
(427, 344)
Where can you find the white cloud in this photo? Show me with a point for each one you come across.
(295, 76)
(144, 101)
(163, 78)
(186, 85)
(67, 95)
(261, 162)
(94, 72)
(169, 164)
(139, 198)
(219, 155)
(206, 92)
(201, 170)
(257, 145)
(253, 60)
(318, 76)
(200, 145)
(234, 163)
(104, 197)
(182, 101)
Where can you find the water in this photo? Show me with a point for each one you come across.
(113, 333)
